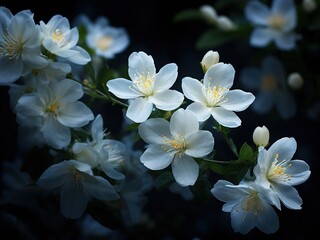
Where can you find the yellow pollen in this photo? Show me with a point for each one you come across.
(252, 203)
(277, 170)
(269, 82)
(215, 94)
(53, 108)
(144, 83)
(174, 145)
(9, 47)
(277, 21)
(104, 43)
(57, 36)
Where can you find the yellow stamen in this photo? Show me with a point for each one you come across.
(104, 43)
(215, 94)
(175, 145)
(277, 170)
(277, 21)
(53, 108)
(252, 203)
(57, 36)
(9, 47)
(144, 82)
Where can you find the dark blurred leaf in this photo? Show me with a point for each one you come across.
(202, 189)
(163, 180)
(188, 14)
(90, 72)
(213, 38)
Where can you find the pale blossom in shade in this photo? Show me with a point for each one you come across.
(77, 186)
(176, 143)
(54, 109)
(62, 41)
(213, 96)
(20, 42)
(147, 88)
(269, 86)
(276, 170)
(249, 204)
(275, 24)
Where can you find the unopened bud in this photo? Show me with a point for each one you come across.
(309, 5)
(209, 13)
(295, 81)
(209, 59)
(224, 23)
(261, 136)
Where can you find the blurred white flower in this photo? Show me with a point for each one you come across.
(309, 5)
(295, 80)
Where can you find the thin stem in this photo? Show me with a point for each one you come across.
(216, 161)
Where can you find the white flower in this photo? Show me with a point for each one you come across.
(209, 59)
(61, 40)
(77, 185)
(54, 109)
(19, 44)
(309, 5)
(105, 154)
(249, 205)
(214, 97)
(274, 24)
(105, 40)
(147, 87)
(276, 170)
(261, 136)
(176, 143)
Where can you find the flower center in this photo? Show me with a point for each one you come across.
(104, 43)
(10, 47)
(277, 170)
(269, 82)
(53, 108)
(215, 94)
(144, 82)
(174, 145)
(252, 203)
(77, 175)
(277, 21)
(57, 36)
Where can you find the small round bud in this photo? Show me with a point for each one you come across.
(309, 5)
(225, 24)
(295, 81)
(209, 13)
(261, 136)
(209, 59)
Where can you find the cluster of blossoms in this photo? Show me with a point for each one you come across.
(43, 64)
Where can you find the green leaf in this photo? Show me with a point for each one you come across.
(213, 38)
(246, 152)
(163, 180)
(232, 171)
(188, 14)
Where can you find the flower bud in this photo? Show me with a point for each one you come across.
(309, 5)
(261, 136)
(209, 13)
(295, 81)
(209, 59)
(225, 24)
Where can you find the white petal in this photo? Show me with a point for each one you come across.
(73, 200)
(257, 13)
(75, 114)
(261, 37)
(286, 41)
(139, 110)
(185, 170)
(237, 100)
(55, 176)
(140, 63)
(156, 158)
(288, 195)
(225, 117)
(167, 100)
(193, 89)
(97, 128)
(241, 220)
(222, 191)
(199, 144)
(122, 88)
(220, 74)
(111, 172)
(100, 188)
(201, 111)
(267, 220)
(284, 147)
(68, 91)
(55, 134)
(153, 130)
(10, 70)
(299, 172)
(82, 57)
(178, 124)
(166, 77)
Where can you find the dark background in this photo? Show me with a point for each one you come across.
(151, 29)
